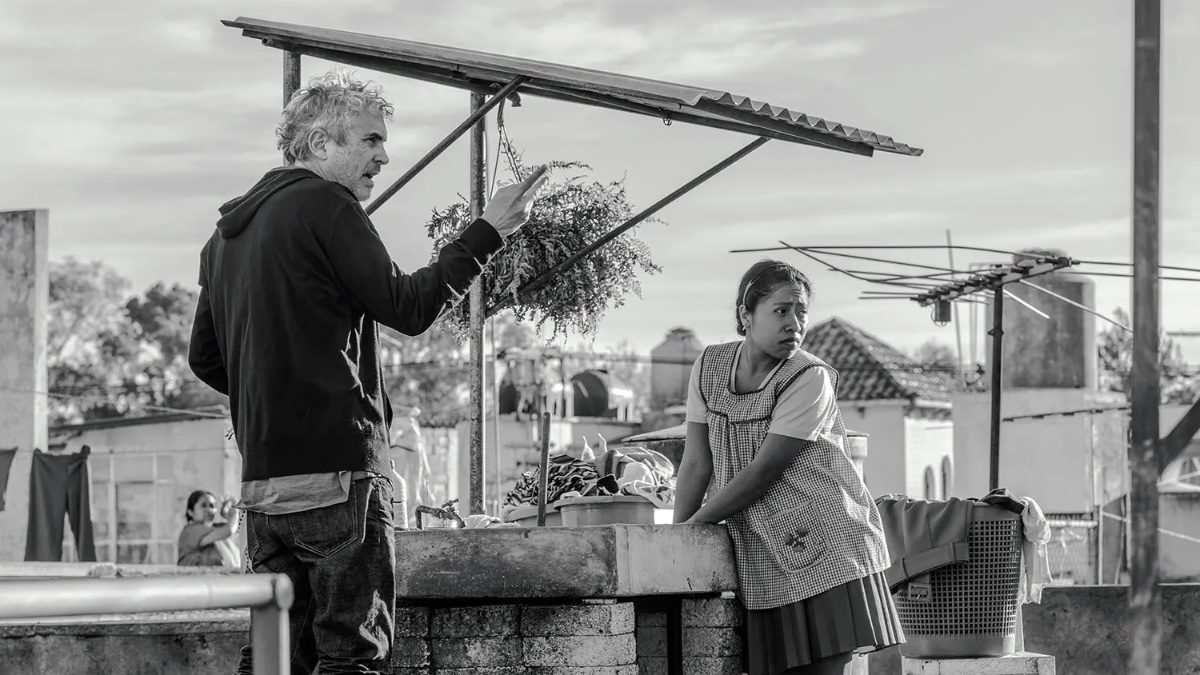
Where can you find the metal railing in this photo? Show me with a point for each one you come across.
(269, 597)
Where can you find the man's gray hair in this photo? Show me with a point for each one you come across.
(328, 102)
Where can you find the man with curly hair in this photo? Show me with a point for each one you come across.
(293, 283)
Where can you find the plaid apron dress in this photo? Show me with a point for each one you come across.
(816, 527)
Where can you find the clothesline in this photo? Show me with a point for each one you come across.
(1066, 413)
(96, 397)
(142, 451)
(1169, 533)
(159, 451)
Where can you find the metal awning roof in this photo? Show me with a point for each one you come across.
(483, 72)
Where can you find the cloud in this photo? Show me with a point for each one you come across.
(135, 124)
(702, 62)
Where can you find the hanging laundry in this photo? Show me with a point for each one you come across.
(1035, 563)
(6, 460)
(59, 485)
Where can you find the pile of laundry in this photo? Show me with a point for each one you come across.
(628, 471)
(565, 474)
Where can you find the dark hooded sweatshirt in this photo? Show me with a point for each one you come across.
(292, 284)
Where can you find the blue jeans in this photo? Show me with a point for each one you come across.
(341, 560)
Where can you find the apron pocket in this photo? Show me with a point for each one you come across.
(795, 538)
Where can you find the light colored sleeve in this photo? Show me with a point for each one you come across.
(697, 410)
(803, 409)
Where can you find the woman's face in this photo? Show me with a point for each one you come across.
(778, 324)
(205, 510)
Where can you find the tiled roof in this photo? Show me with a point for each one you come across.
(870, 369)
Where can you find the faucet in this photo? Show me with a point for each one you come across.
(446, 513)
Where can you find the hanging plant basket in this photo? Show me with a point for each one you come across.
(570, 213)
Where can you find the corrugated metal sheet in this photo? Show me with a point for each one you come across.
(477, 70)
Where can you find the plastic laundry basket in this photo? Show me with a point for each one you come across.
(971, 608)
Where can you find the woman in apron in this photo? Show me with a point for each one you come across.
(765, 441)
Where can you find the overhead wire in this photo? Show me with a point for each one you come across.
(1010, 295)
(1130, 276)
(835, 250)
(1115, 263)
(838, 269)
(1078, 305)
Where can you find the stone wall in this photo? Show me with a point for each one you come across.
(203, 643)
(585, 638)
(602, 637)
(1086, 629)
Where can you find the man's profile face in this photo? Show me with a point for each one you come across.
(355, 164)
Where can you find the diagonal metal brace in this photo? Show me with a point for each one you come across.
(446, 142)
(545, 277)
(1179, 438)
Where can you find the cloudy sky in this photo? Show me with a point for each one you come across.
(132, 122)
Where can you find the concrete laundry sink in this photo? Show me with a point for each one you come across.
(602, 561)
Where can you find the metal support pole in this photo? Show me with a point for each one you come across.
(496, 421)
(543, 469)
(272, 644)
(269, 597)
(1145, 601)
(474, 121)
(478, 198)
(291, 75)
(546, 276)
(958, 354)
(997, 333)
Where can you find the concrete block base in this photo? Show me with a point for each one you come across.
(1021, 663)
(568, 638)
(692, 665)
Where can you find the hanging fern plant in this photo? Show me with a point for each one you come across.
(569, 214)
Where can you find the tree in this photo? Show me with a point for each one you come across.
(429, 372)
(1115, 348)
(88, 343)
(109, 356)
(165, 316)
(163, 323)
(936, 355)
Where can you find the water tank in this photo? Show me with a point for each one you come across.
(510, 397)
(671, 366)
(1054, 353)
(595, 393)
(598, 394)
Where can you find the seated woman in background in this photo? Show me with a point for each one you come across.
(203, 543)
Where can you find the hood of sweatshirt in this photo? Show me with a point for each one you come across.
(237, 212)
